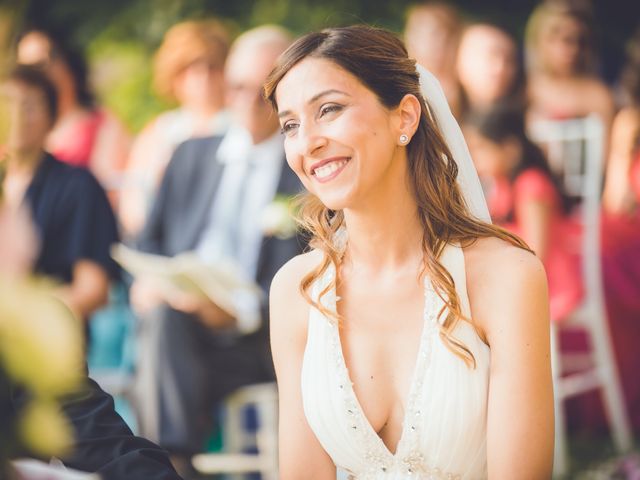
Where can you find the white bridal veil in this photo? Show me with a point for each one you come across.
(467, 174)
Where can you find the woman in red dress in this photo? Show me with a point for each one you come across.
(523, 197)
(85, 134)
(621, 233)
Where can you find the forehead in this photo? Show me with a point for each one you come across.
(251, 65)
(33, 48)
(482, 38)
(561, 23)
(312, 76)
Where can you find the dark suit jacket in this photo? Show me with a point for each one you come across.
(104, 443)
(183, 205)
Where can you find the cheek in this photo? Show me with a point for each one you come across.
(365, 131)
(294, 160)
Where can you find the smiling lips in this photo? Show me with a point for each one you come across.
(328, 169)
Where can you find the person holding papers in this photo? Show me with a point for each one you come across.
(212, 205)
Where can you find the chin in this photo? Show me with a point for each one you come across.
(335, 202)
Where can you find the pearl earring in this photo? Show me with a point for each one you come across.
(404, 139)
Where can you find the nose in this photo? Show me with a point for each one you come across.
(312, 140)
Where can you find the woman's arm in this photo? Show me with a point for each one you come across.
(534, 219)
(509, 300)
(618, 196)
(535, 204)
(301, 455)
(142, 176)
(89, 289)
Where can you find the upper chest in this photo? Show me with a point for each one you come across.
(380, 339)
(564, 98)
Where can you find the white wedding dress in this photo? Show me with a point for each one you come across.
(444, 428)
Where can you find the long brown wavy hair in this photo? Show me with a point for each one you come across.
(378, 59)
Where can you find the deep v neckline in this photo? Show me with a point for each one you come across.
(420, 365)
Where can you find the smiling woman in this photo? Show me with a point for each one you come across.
(351, 116)
(410, 305)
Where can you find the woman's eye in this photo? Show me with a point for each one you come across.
(329, 108)
(288, 128)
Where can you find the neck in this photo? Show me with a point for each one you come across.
(67, 101)
(23, 163)
(482, 103)
(209, 108)
(560, 74)
(202, 115)
(384, 231)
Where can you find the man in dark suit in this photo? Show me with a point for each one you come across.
(103, 443)
(210, 202)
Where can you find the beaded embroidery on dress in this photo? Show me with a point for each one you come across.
(444, 429)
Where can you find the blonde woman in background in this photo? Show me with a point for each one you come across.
(561, 64)
(188, 70)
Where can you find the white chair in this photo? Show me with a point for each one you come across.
(264, 398)
(575, 150)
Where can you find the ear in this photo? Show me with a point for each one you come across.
(408, 114)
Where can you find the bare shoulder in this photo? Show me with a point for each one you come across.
(492, 257)
(627, 119)
(503, 281)
(596, 86)
(288, 278)
(286, 303)
(597, 93)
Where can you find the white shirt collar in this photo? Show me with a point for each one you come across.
(237, 146)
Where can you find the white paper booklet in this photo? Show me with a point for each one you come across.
(186, 272)
(29, 469)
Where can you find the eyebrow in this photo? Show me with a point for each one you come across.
(314, 99)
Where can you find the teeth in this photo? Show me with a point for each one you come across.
(327, 169)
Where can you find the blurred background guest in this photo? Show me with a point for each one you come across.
(562, 65)
(622, 189)
(73, 218)
(431, 35)
(84, 134)
(211, 201)
(621, 235)
(524, 198)
(188, 70)
(488, 67)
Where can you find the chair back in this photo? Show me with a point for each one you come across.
(575, 152)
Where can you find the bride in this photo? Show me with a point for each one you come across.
(413, 340)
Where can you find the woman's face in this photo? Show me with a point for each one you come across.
(491, 159)
(35, 48)
(339, 139)
(561, 43)
(200, 83)
(431, 39)
(487, 65)
(29, 117)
